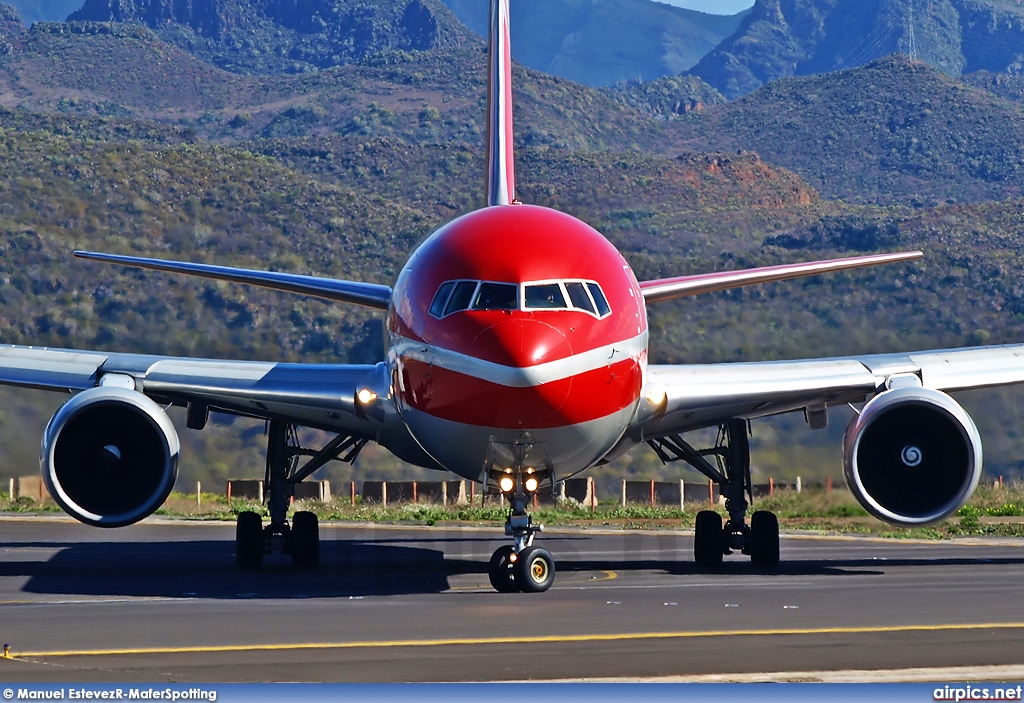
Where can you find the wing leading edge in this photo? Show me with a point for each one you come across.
(684, 286)
(701, 395)
(370, 295)
(319, 395)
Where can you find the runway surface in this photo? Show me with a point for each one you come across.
(162, 601)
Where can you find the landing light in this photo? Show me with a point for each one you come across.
(656, 396)
(366, 396)
(507, 483)
(531, 484)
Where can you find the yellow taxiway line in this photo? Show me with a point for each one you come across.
(520, 639)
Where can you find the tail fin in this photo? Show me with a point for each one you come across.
(501, 175)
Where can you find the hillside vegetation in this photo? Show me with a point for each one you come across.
(288, 36)
(667, 98)
(850, 138)
(437, 96)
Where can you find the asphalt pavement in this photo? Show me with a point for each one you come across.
(163, 601)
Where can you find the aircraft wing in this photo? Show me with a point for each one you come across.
(318, 395)
(702, 395)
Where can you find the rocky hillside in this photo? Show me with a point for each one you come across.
(781, 38)
(1005, 85)
(850, 137)
(288, 36)
(437, 96)
(668, 97)
(10, 21)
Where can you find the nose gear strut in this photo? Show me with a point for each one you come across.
(521, 566)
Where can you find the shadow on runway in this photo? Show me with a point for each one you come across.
(206, 569)
(363, 567)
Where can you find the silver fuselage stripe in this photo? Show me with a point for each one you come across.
(522, 377)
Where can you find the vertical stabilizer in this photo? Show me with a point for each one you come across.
(501, 175)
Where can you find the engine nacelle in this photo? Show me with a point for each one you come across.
(912, 457)
(110, 456)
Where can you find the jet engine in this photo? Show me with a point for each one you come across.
(912, 457)
(110, 456)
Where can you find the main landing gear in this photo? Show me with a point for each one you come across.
(300, 538)
(712, 540)
(521, 566)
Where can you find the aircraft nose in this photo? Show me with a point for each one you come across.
(524, 344)
(521, 343)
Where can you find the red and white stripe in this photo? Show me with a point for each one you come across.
(501, 179)
(580, 388)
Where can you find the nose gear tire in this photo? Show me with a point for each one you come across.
(500, 570)
(534, 570)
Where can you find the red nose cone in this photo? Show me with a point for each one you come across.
(520, 343)
(525, 343)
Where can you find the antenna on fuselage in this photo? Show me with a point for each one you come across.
(501, 175)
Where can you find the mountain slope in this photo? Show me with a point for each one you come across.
(781, 38)
(288, 36)
(10, 22)
(668, 97)
(1007, 86)
(429, 96)
(602, 42)
(891, 131)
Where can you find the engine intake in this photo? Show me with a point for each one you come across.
(110, 456)
(912, 457)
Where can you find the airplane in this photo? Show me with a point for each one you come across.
(516, 353)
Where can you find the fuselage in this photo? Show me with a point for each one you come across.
(517, 335)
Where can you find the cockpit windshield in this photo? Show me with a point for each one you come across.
(544, 296)
(496, 296)
(456, 296)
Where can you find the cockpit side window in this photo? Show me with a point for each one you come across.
(461, 296)
(602, 303)
(437, 306)
(544, 296)
(496, 296)
(579, 297)
(585, 296)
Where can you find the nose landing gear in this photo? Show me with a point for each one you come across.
(521, 566)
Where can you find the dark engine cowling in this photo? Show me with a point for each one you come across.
(912, 457)
(110, 456)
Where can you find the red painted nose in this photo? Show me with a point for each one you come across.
(520, 343)
(525, 343)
